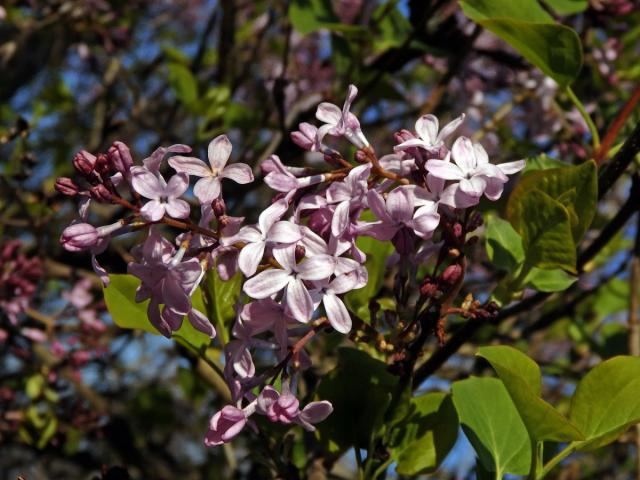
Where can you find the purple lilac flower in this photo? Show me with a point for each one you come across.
(208, 187)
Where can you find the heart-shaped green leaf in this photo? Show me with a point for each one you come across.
(423, 439)
(607, 401)
(522, 379)
(492, 425)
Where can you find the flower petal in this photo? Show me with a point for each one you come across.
(146, 183)
(463, 154)
(444, 170)
(250, 257)
(337, 313)
(340, 220)
(450, 127)
(317, 267)
(328, 113)
(510, 168)
(299, 301)
(427, 128)
(474, 186)
(219, 151)
(284, 232)
(207, 189)
(177, 208)
(238, 172)
(266, 283)
(190, 165)
(153, 210)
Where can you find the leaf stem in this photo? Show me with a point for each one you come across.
(595, 136)
(564, 453)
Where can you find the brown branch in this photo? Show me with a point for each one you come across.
(616, 125)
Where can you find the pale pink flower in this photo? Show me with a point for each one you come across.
(208, 187)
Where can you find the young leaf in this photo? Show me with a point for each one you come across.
(504, 245)
(527, 27)
(567, 7)
(377, 254)
(423, 439)
(522, 379)
(606, 401)
(183, 83)
(549, 280)
(575, 187)
(219, 300)
(127, 313)
(546, 233)
(492, 424)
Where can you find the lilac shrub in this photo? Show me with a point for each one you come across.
(302, 256)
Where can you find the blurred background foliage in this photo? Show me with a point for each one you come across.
(78, 395)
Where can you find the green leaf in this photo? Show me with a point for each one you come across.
(220, 297)
(360, 390)
(127, 313)
(493, 426)
(558, 183)
(549, 280)
(423, 439)
(522, 379)
(606, 401)
(543, 162)
(567, 7)
(377, 253)
(183, 83)
(527, 27)
(393, 28)
(310, 15)
(34, 386)
(504, 245)
(546, 233)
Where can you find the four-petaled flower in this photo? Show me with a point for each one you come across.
(472, 170)
(165, 197)
(208, 187)
(291, 278)
(429, 137)
(341, 122)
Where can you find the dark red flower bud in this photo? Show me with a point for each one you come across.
(84, 162)
(429, 287)
(66, 186)
(100, 193)
(300, 253)
(451, 274)
(219, 207)
(361, 157)
(103, 166)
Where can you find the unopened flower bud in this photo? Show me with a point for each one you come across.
(451, 274)
(306, 136)
(403, 135)
(100, 193)
(219, 207)
(300, 253)
(119, 157)
(103, 166)
(457, 230)
(475, 221)
(361, 157)
(66, 186)
(429, 287)
(79, 236)
(84, 162)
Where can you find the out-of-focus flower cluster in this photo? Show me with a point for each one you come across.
(302, 256)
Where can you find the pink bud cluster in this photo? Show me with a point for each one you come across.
(19, 276)
(300, 258)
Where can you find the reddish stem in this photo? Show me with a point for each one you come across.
(615, 127)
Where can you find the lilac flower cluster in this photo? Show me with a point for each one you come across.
(302, 256)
